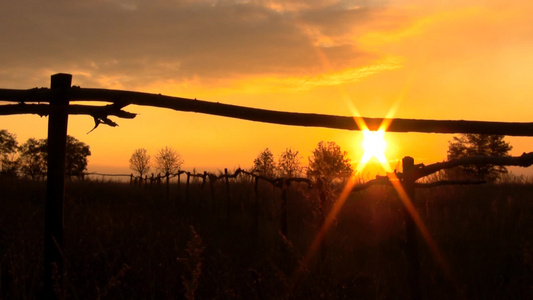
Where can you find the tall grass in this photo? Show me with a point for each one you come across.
(131, 242)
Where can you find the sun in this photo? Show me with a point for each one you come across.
(374, 146)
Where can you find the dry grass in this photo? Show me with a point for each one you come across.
(128, 242)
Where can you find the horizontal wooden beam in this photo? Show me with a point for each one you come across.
(301, 119)
(72, 109)
(124, 98)
(21, 96)
(525, 160)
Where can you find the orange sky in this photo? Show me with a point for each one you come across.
(447, 60)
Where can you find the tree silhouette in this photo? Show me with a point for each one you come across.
(474, 145)
(33, 157)
(76, 153)
(327, 163)
(264, 164)
(289, 163)
(168, 160)
(140, 161)
(8, 152)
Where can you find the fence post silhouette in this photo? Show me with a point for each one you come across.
(55, 186)
(167, 175)
(187, 187)
(256, 211)
(284, 229)
(212, 193)
(203, 179)
(179, 185)
(322, 195)
(228, 199)
(411, 245)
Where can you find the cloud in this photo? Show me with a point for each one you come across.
(136, 41)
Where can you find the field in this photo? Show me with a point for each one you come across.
(133, 242)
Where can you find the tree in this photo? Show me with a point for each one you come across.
(8, 152)
(140, 161)
(289, 164)
(168, 160)
(327, 163)
(76, 153)
(264, 164)
(478, 145)
(33, 157)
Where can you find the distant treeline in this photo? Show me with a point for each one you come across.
(30, 158)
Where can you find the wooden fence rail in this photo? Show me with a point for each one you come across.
(121, 99)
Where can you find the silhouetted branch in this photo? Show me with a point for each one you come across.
(124, 98)
(21, 96)
(300, 119)
(525, 160)
(73, 109)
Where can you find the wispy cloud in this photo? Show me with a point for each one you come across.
(132, 43)
(148, 40)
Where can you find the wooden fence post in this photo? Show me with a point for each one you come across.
(411, 245)
(55, 186)
(167, 175)
(323, 197)
(187, 187)
(284, 229)
(228, 199)
(212, 193)
(256, 211)
(179, 185)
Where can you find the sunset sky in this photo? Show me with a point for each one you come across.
(469, 60)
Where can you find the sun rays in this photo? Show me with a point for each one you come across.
(374, 146)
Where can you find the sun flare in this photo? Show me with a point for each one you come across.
(374, 146)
